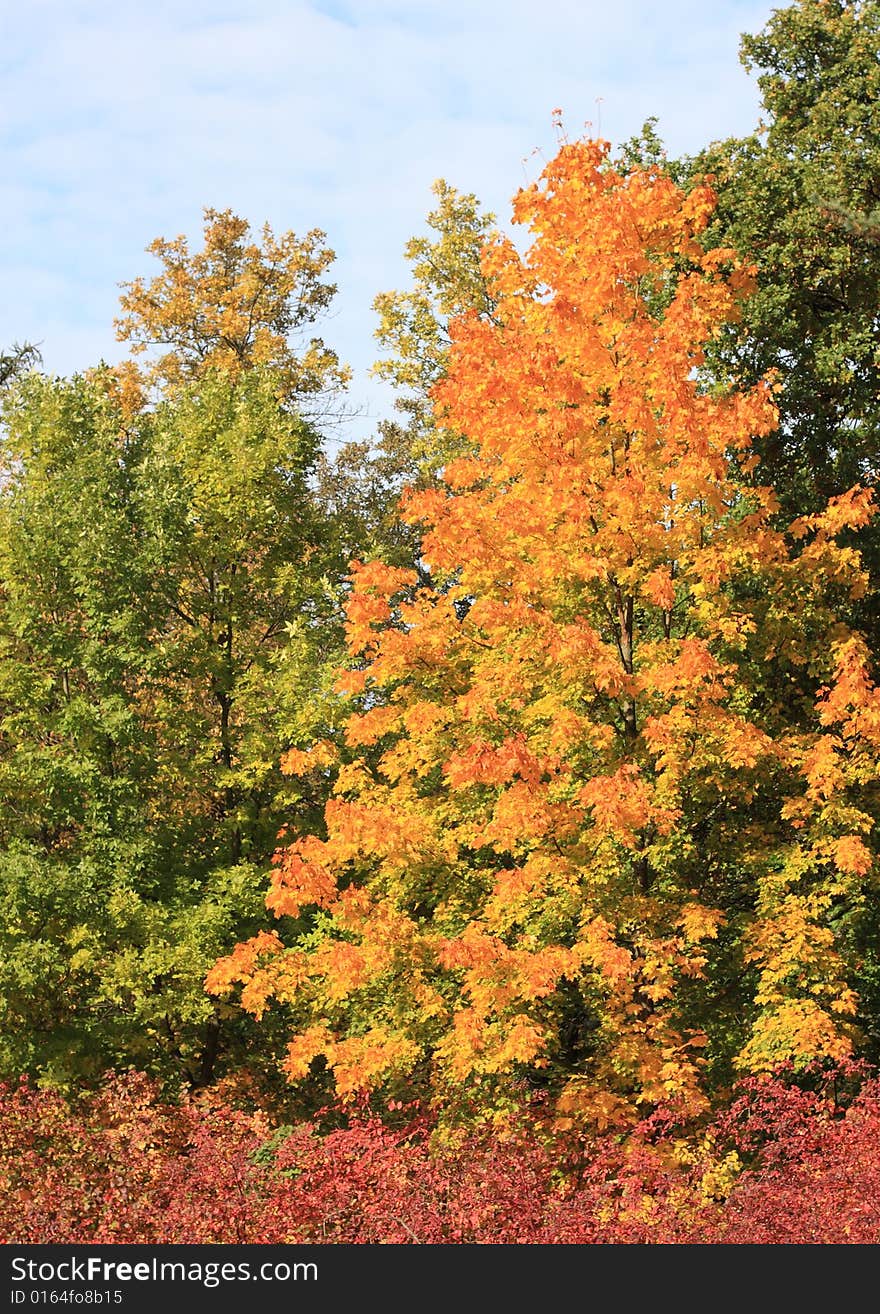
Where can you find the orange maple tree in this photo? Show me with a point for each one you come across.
(599, 814)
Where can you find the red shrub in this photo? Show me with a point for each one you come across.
(125, 1167)
(781, 1165)
(816, 1175)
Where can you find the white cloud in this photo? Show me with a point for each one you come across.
(121, 121)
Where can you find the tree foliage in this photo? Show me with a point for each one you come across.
(167, 604)
(448, 280)
(791, 197)
(362, 483)
(233, 305)
(582, 805)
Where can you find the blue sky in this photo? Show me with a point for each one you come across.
(120, 121)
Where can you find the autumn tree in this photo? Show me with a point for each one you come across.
(576, 841)
(235, 304)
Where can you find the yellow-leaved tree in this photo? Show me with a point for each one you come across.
(236, 304)
(601, 820)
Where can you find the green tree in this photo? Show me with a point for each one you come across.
(361, 485)
(168, 613)
(76, 761)
(796, 199)
(413, 326)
